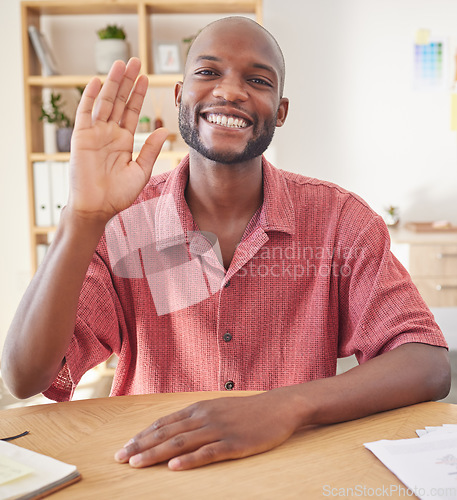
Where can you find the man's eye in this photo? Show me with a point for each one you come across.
(205, 72)
(261, 81)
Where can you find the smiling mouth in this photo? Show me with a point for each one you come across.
(228, 121)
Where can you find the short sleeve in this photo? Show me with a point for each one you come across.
(97, 331)
(380, 307)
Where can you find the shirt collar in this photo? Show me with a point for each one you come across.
(278, 212)
(173, 218)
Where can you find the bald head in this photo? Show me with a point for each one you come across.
(266, 41)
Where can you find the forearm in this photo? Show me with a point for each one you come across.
(104, 181)
(409, 374)
(44, 322)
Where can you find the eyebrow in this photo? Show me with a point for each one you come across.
(209, 58)
(266, 67)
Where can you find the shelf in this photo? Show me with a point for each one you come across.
(165, 155)
(201, 6)
(81, 7)
(148, 21)
(89, 7)
(173, 155)
(83, 80)
(50, 156)
(43, 230)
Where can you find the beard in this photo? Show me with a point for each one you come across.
(254, 148)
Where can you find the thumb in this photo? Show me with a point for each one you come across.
(151, 149)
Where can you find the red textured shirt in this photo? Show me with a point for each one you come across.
(313, 279)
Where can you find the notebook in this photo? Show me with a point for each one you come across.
(25, 474)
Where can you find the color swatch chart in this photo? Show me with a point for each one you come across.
(429, 64)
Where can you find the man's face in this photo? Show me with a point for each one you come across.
(229, 104)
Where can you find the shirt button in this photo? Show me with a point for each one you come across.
(227, 284)
(229, 385)
(227, 337)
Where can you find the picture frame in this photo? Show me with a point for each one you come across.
(167, 58)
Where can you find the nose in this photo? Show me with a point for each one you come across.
(230, 88)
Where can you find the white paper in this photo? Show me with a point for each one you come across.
(427, 465)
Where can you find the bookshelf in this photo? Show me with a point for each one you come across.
(144, 17)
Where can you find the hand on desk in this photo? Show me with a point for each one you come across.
(235, 427)
(212, 431)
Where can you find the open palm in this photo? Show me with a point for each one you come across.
(104, 178)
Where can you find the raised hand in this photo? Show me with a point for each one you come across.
(214, 430)
(104, 178)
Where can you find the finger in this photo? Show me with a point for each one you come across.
(146, 159)
(123, 455)
(159, 432)
(131, 72)
(131, 111)
(84, 112)
(105, 102)
(178, 445)
(172, 418)
(207, 454)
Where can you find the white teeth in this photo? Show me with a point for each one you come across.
(227, 121)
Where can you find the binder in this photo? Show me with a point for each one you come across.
(59, 189)
(42, 189)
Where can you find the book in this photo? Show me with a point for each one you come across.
(26, 474)
(43, 51)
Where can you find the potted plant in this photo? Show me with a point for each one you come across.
(392, 217)
(111, 45)
(55, 114)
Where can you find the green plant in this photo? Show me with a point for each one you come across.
(392, 210)
(54, 113)
(111, 31)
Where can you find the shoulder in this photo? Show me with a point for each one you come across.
(310, 186)
(327, 209)
(318, 196)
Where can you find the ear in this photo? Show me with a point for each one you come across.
(178, 93)
(283, 109)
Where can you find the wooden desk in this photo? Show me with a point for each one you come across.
(311, 463)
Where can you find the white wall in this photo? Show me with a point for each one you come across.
(14, 250)
(354, 118)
